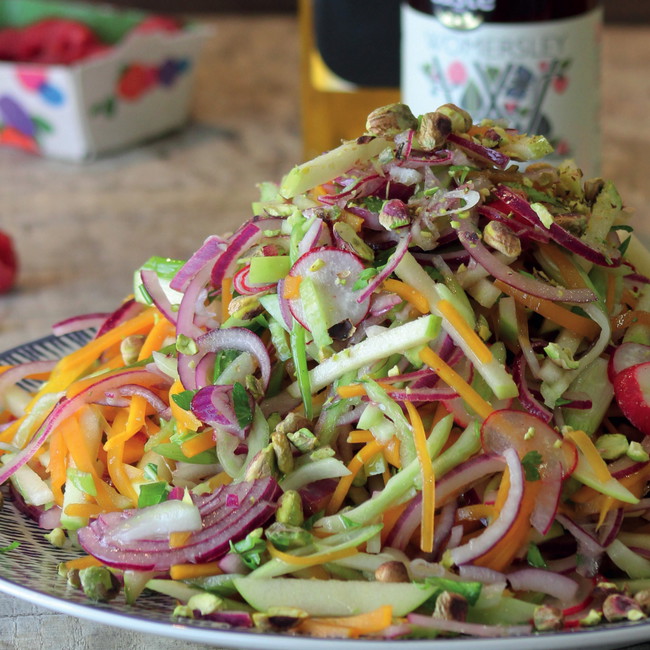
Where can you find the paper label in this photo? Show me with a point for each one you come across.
(539, 77)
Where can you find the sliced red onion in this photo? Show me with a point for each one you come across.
(16, 374)
(81, 322)
(237, 338)
(521, 229)
(472, 243)
(444, 525)
(457, 480)
(211, 248)
(576, 245)
(317, 235)
(423, 394)
(582, 536)
(548, 498)
(221, 525)
(124, 312)
(611, 527)
(484, 154)
(152, 285)
(285, 311)
(250, 234)
(481, 574)
(407, 523)
(382, 303)
(481, 544)
(50, 518)
(213, 405)
(64, 409)
(471, 629)
(390, 266)
(233, 618)
(526, 397)
(545, 582)
(159, 405)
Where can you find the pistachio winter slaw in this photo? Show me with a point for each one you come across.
(407, 398)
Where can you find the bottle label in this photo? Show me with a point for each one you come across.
(538, 77)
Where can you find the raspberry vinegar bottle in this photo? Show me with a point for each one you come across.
(531, 64)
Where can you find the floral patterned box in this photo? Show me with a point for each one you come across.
(138, 88)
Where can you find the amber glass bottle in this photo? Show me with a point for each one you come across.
(533, 64)
(350, 65)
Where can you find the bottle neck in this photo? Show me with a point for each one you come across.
(506, 11)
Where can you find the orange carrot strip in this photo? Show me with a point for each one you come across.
(115, 464)
(292, 287)
(179, 538)
(185, 420)
(455, 381)
(188, 571)
(226, 297)
(57, 466)
(314, 628)
(482, 352)
(565, 265)
(83, 562)
(428, 479)
(345, 482)
(83, 510)
(551, 310)
(199, 443)
(390, 517)
(360, 435)
(406, 292)
(161, 330)
(75, 364)
(588, 449)
(367, 623)
(134, 448)
(627, 318)
(474, 512)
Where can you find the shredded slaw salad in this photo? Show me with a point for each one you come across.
(408, 398)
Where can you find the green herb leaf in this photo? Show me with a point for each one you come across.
(174, 452)
(534, 557)
(531, 462)
(470, 590)
(363, 279)
(622, 249)
(151, 472)
(242, 405)
(152, 493)
(11, 547)
(184, 399)
(82, 481)
(250, 548)
(349, 523)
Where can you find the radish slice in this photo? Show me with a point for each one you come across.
(632, 390)
(334, 273)
(625, 356)
(525, 432)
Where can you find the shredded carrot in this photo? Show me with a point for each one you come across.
(83, 510)
(406, 292)
(360, 435)
(314, 558)
(115, 463)
(82, 562)
(565, 265)
(315, 628)
(627, 318)
(455, 381)
(448, 311)
(367, 623)
(588, 449)
(178, 539)
(292, 287)
(186, 420)
(357, 390)
(352, 220)
(134, 448)
(155, 340)
(345, 482)
(391, 452)
(628, 298)
(199, 443)
(76, 363)
(428, 479)
(188, 571)
(226, 297)
(137, 408)
(553, 311)
(222, 478)
(58, 464)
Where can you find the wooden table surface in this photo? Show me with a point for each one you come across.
(80, 230)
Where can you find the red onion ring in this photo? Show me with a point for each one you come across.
(81, 322)
(151, 283)
(211, 248)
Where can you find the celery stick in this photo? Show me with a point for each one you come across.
(409, 335)
(267, 269)
(613, 488)
(316, 313)
(494, 373)
(303, 380)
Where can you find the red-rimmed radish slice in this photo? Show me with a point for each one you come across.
(334, 273)
(243, 285)
(507, 428)
(625, 356)
(632, 391)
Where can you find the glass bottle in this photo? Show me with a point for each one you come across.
(533, 64)
(349, 66)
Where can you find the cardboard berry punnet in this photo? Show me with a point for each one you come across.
(78, 81)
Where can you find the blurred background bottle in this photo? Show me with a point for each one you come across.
(350, 65)
(534, 64)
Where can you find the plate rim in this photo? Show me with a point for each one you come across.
(615, 635)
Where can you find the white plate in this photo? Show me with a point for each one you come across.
(30, 573)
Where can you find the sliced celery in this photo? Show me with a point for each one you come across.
(268, 269)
